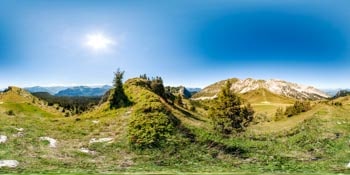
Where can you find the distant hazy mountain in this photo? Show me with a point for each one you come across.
(51, 90)
(333, 92)
(71, 91)
(84, 91)
(279, 87)
(342, 93)
(194, 89)
(185, 92)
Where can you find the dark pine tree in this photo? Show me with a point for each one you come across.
(157, 86)
(119, 99)
(227, 114)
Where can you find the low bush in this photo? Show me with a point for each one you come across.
(10, 112)
(151, 125)
(297, 108)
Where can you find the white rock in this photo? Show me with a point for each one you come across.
(85, 150)
(3, 139)
(205, 98)
(1, 102)
(9, 163)
(94, 140)
(51, 140)
(348, 166)
(95, 121)
(19, 129)
(19, 134)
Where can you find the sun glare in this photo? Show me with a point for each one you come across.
(98, 41)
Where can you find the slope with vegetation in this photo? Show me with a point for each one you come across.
(153, 134)
(70, 105)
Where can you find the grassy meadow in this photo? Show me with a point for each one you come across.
(313, 142)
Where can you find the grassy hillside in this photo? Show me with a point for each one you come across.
(101, 140)
(265, 103)
(264, 96)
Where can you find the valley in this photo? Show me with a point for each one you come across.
(157, 135)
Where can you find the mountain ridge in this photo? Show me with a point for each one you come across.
(280, 87)
(82, 90)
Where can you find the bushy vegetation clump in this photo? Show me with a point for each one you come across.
(155, 84)
(337, 103)
(151, 125)
(10, 112)
(279, 115)
(297, 108)
(228, 114)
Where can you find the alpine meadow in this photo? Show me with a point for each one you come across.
(174, 87)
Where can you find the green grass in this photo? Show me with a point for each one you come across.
(314, 142)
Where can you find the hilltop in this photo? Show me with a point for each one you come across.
(155, 134)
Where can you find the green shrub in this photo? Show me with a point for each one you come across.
(10, 112)
(279, 115)
(149, 130)
(337, 103)
(151, 125)
(260, 117)
(297, 108)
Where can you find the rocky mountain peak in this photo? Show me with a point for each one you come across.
(275, 86)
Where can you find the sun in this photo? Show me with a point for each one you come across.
(98, 41)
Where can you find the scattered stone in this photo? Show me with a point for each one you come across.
(87, 151)
(51, 141)
(1, 102)
(94, 140)
(3, 139)
(9, 163)
(128, 163)
(348, 166)
(339, 123)
(95, 121)
(19, 129)
(19, 134)
(128, 113)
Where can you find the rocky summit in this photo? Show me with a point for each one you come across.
(279, 87)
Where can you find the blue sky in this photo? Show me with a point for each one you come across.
(191, 43)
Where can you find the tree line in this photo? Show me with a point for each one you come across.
(70, 105)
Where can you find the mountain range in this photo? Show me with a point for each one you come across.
(84, 91)
(242, 86)
(51, 90)
(90, 90)
(279, 87)
(71, 91)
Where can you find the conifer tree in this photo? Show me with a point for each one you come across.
(119, 99)
(227, 114)
(157, 86)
